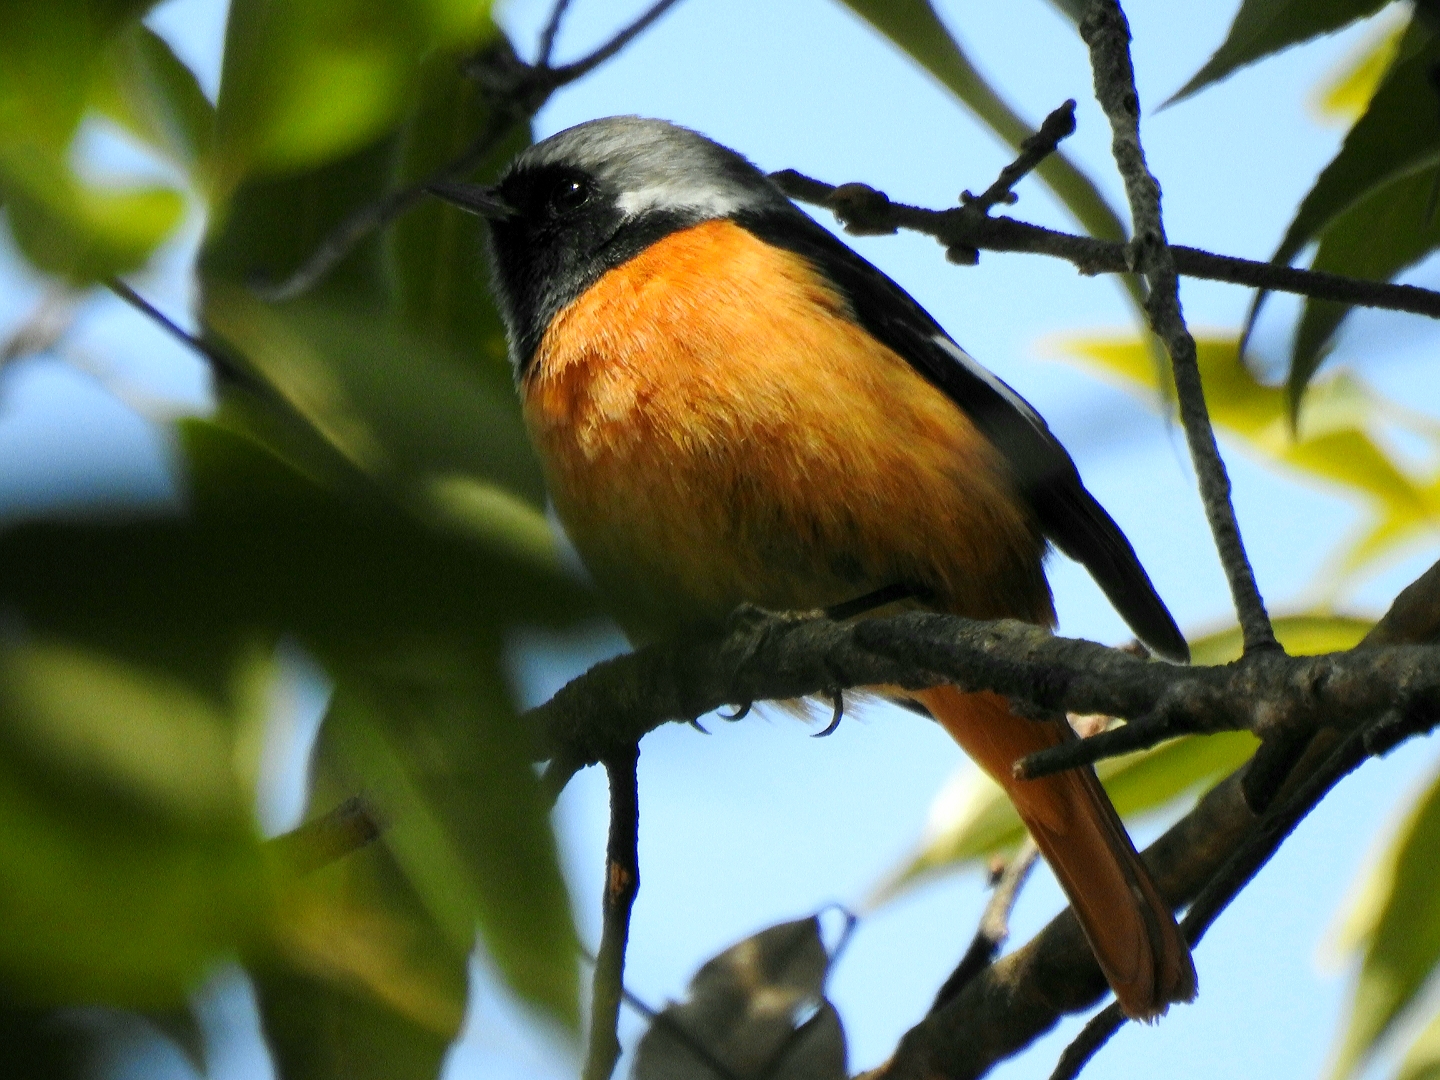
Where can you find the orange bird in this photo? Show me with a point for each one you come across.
(732, 406)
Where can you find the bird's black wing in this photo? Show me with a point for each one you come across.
(1068, 514)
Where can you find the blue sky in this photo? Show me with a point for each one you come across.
(758, 823)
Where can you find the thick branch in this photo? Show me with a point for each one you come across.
(766, 656)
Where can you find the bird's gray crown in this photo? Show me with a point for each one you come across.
(653, 165)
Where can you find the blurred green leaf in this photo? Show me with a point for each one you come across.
(1334, 443)
(394, 406)
(1397, 920)
(318, 1029)
(1347, 93)
(1399, 134)
(49, 56)
(1422, 1060)
(358, 982)
(263, 551)
(311, 80)
(271, 225)
(106, 727)
(1302, 635)
(436, 250)
(44, 1044)
(146, 89)
(436, 741)
(81, 232)
(127, 860)
(915, 28)
(971, 818)
(1264, 27)
(1392, 227)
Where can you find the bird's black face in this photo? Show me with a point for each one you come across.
(589, 198)
(542, 250)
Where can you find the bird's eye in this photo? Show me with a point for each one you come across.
(568, 194)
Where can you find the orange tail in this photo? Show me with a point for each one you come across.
(1129, 927)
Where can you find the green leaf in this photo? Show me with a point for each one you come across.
(972, 818)
(313, 80)
(1422, 1060)
(1402, 938)
(1265, 27)
(1393, 227)
(915, 28)
(1333, 445)
(436, 741)
(127, 860)
(358, 982)
(1399, 134)
(394, 406)
(146, 89)
(49, 54)
(436, 250)
(80, 232)
(1302, 635)
(1347, 93)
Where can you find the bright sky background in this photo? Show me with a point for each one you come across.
(758, 823)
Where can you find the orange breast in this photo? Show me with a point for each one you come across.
(715, 428)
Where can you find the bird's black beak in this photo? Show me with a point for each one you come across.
(473, 199)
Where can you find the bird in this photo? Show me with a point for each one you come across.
(731, 406)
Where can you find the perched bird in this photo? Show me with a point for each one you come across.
(732, 406)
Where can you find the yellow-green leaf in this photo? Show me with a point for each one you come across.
(1398, 921)
(1346, 94)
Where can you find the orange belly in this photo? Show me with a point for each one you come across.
(716, 429)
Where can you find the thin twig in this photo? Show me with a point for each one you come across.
(518, 91)
(866, 211)
(622, 883)
(1058, 126)
(225, 367)
(568, 73)
(994, 923)
(1106, 32)
(547, 36)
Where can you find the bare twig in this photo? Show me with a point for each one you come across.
(349, 827)
(547, 36)
(225, 367)
(622, 883)
(865, 211)
(1106, 32)
(518, 91)
(1059, 125)
(994, 923)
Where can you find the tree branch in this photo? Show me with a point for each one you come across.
(864, 211)
(994, 923)
(1106, 32)
(764, 656)
(622, 884)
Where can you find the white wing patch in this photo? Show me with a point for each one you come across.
(973, 366)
